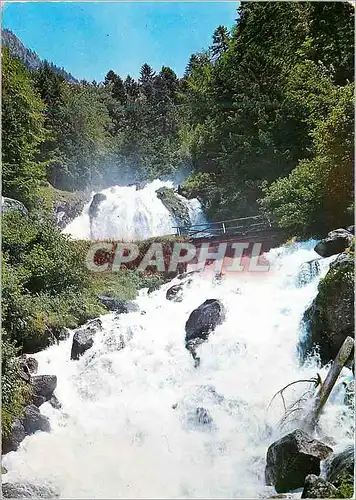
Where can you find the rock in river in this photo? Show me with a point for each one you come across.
(291, 459)
(83, 338)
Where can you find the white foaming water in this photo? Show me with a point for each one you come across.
(130, 215)
(120, 432)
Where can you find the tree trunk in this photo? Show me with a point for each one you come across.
(328, 384)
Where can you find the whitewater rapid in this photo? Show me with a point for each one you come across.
(124, 430)
(128, 214)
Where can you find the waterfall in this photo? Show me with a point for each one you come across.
(128, 214)
(125, 428)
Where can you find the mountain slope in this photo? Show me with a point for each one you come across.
(31, 60)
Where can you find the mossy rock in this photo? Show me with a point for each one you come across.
(176, 207)
(331, 315)
(65, 205)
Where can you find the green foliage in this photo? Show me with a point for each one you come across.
(15, 393)
(317, 195)
(271, 100)
(346, 487)
(263, 118)
(22, 132)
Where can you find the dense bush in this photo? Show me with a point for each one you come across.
(317, 196)
(14, 391)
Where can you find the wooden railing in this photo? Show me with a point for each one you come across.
(244, 225)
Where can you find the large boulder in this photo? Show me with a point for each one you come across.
(291, 459)
(175, 205)
(28, 490)
(98, 198)
(117, 305)
(83, 338)
(44, 386)
(11, 205)
(317, 487)
(336, 242)
(34, 421)
(203, 320)
(12, 441)
(28, 364)
(331, 315)
(340, 467)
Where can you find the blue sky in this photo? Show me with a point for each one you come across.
(88, 39)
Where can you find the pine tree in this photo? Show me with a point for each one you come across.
(220, 43)
(116, 85)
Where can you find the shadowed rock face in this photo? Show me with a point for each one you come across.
(341, 465)
(291, 459)
(331, 315)
(98, 198)
(174, 204)
(44, 385)
(15, 437)
(203, 320)
(34, 421)
(336, 242)
(83, 338)
(67, 210)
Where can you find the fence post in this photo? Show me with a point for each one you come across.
(223, 225)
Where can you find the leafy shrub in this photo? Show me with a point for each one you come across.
(15, 393)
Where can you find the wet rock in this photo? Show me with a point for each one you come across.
(38, 400)
(317, 487)
(28, 490)
(44, 385)
(34, 421)
(98, 198)
(336, 242)
(340, 466)
(28, 367)
(15, 437)
(55, 403)
(175, 293)
(291, 459)
(117, 305)
(331, 315)
(175, 205)
(67, 210)
(192, 346)
(83, 339)
(11, 205)
(203, 320)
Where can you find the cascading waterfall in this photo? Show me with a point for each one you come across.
(126, 430)
(129, 214)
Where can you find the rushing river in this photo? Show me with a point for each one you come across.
(127, 428)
